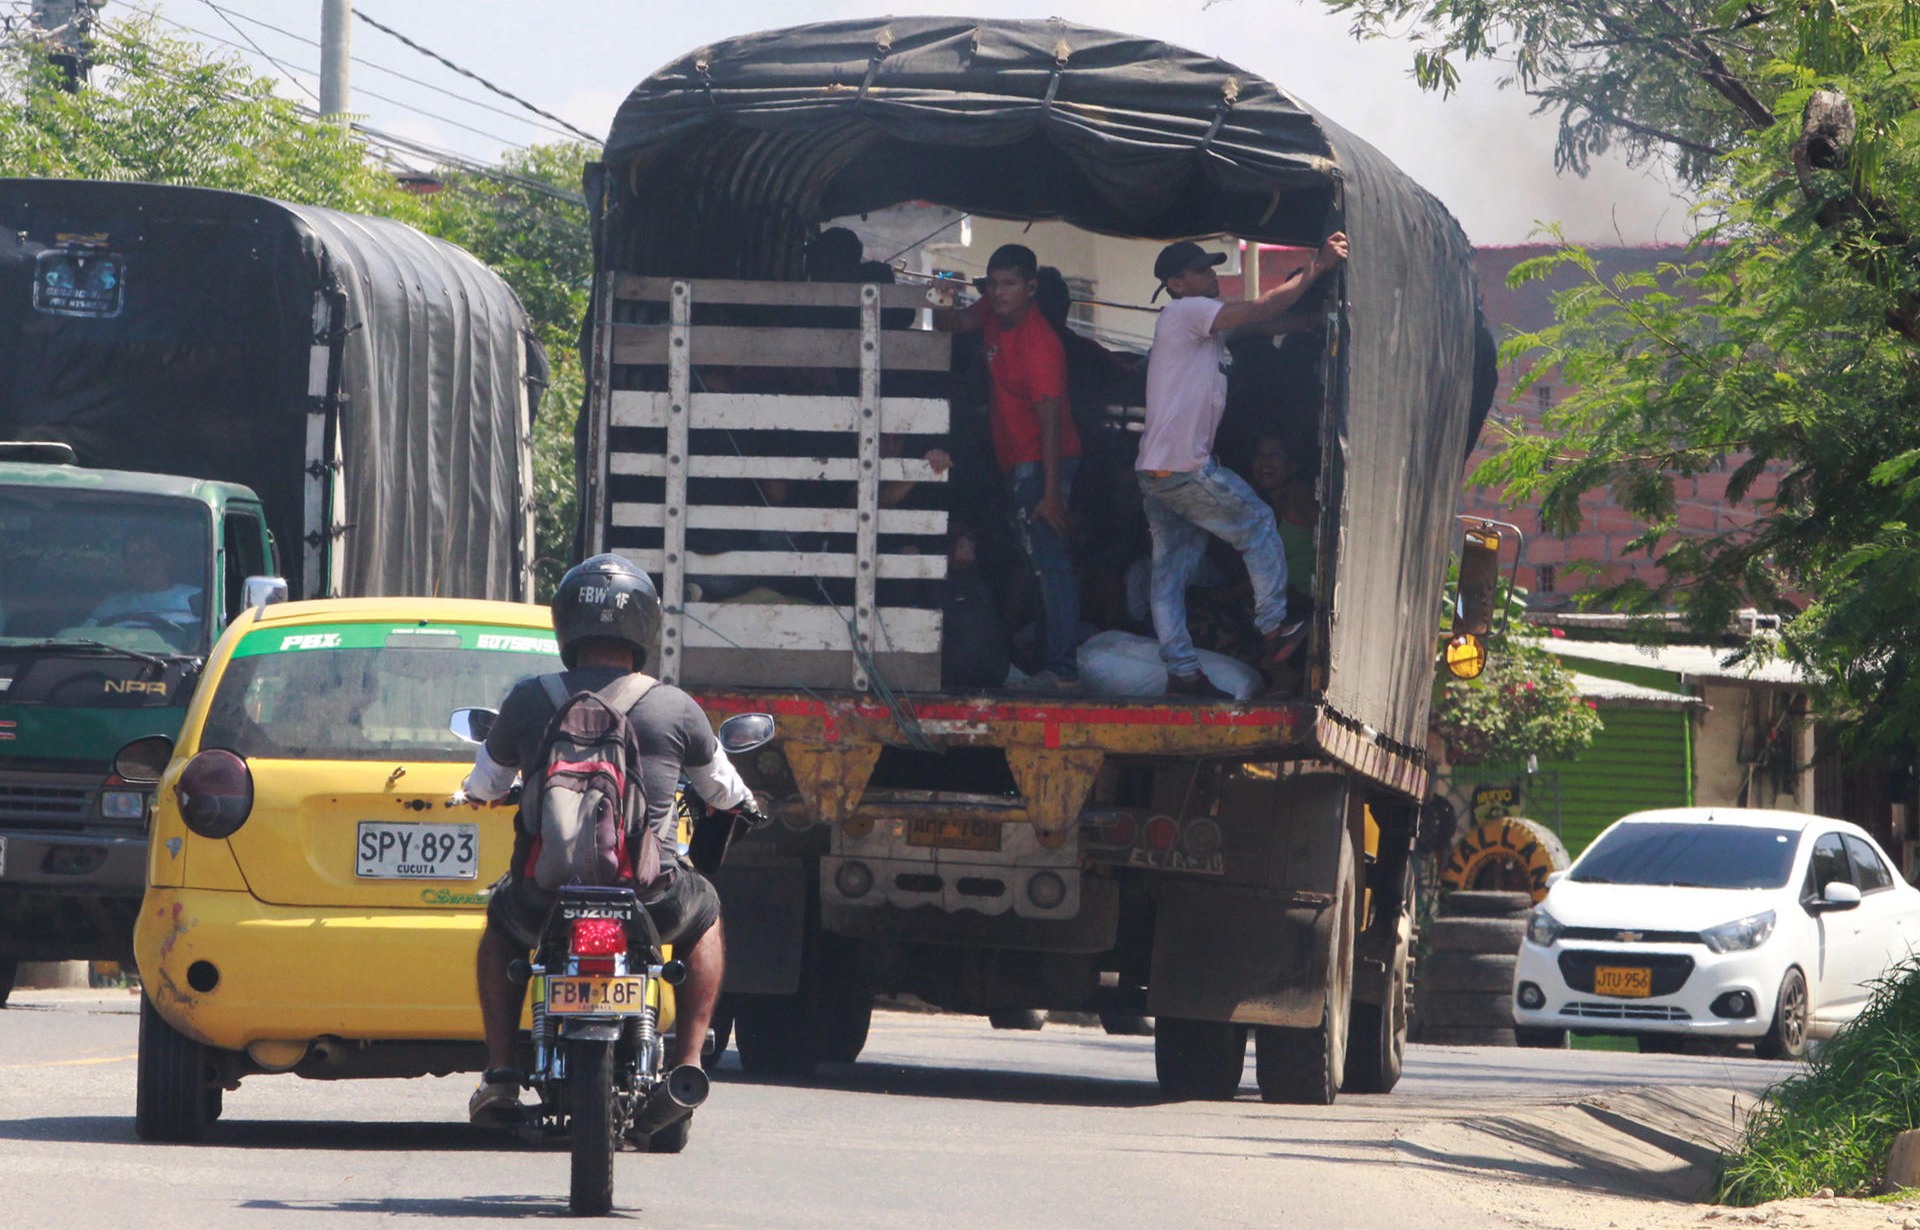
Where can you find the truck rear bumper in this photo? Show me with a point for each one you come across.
(73, 864)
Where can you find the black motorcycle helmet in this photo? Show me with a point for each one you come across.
(606, 597)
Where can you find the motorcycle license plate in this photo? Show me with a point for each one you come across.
(1624, 981)
(601, 996)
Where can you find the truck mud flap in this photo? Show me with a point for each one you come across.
(763, 905)
(1227, 953)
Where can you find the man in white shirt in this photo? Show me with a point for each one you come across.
(1187, 492)
(148, 593)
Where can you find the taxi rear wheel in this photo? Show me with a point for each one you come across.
(173, 1096)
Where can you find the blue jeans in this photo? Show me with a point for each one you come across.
(1052, 562)
(1182, 509)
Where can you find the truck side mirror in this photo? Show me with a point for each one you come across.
(1479, 587)
(257, 592)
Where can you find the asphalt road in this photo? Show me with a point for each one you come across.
(944, 1122)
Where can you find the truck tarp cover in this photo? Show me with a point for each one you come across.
(203, 370)
(721, 163)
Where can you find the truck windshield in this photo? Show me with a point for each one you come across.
(127, 571)
(1693, 855)
(367, 691)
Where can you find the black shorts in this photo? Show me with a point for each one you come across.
(682, 903)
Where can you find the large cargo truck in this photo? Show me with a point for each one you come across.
(1235, 869)
(201, 387)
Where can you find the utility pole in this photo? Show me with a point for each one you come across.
(64, 25)
(336, 45)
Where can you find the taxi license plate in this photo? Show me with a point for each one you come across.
(389, 851)
(954, 834)
(1624, 981)
(607, 996)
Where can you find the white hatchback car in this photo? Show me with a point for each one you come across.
(1715, 923)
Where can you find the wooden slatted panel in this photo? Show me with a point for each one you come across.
(735, 346)
(784, 626)
(782, 412)
(770, 294)
(800, 469)
(791, 564)
(787, 520)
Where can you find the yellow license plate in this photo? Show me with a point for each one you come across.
(1625, 981)
(608, 996)
(954, 834)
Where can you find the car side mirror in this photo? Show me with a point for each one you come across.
(142, 761)
(1837, 895)
(256, 592)
(472, 725)
(745, 731)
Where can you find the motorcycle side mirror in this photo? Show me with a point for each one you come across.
(472, 725)
(142, 761)
(745, 731)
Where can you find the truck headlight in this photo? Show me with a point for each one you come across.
(123, 804)
(1543, 928)
(1741, 934)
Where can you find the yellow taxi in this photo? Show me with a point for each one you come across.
(312, 905)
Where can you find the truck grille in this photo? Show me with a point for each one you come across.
(45, 801)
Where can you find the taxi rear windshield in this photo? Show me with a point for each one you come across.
(1688, 855)
(376, 691)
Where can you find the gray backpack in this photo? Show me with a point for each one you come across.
(584, 803)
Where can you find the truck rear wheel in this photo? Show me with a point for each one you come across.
(1199, 1061)
(1377, 1038)
(775, 1034)
(1308, 1066)
(9, 970)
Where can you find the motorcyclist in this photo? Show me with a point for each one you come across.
(606, 617)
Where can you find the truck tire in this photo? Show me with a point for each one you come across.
(1472, 1009)
(1468, 971)
(715, 1044)
(1491, 935)
(1377, 1036)
(1199, 1061)
(848, 1013)
(1018, 1018)
(1308, 1066)
(1510, 853)
(1466, 1035)
(774, 1035)
(1126, 1024)
(170, 1090)
(9, 970)
(1476, 904)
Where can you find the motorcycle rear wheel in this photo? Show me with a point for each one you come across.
(590, 1068)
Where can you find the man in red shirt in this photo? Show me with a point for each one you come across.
(1034, 441)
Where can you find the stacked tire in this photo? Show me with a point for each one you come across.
(1464, 996)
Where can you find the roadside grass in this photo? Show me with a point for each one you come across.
(1831, 1126)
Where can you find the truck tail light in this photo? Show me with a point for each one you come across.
(215, 791)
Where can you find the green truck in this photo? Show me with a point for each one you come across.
(209, 400)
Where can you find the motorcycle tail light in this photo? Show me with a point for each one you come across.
(215, 791)
(597, 937)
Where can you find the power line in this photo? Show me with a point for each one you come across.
(515, 116)
(221, 13)
(476, 77)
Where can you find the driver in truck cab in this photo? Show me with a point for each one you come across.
(606, 617)
(148, 587)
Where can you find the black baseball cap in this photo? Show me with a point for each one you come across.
(1176, 258)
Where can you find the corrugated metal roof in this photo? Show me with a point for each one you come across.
(1686, 661)
(1614, 692)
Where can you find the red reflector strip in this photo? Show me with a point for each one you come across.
(598, 937)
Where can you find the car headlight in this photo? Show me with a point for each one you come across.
(1543, 928)
(1740, 935)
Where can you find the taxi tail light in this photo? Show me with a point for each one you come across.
(597, 937)
(215, 791)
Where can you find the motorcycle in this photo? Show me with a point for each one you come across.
(602, 992)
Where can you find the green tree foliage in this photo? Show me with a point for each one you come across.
(1525, 703)
(539, 243)
(1785, 343)
(161, 110)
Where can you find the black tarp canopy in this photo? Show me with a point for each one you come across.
(723, 163)
(204, 370)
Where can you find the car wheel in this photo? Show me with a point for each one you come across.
(1787, 1037)
(171, 1098)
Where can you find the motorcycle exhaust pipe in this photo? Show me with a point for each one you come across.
(685, 1088)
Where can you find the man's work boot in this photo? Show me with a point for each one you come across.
(496, 1103)
(1283, 641)
(1195, 687)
